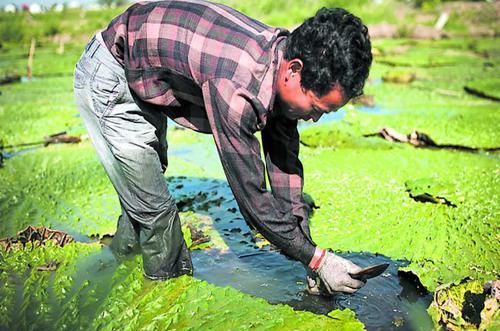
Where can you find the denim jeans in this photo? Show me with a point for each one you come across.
(129, 137)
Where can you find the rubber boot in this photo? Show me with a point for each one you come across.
(126, 239)
(164, 251)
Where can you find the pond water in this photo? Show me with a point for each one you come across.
(341, 113)
(388, 302)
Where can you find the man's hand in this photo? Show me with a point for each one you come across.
(333, 272)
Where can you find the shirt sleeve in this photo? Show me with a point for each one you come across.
(233, 120)
(281, 142)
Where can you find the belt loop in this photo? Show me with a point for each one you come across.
(92, 47)
(89, 44)
(95, 50)
(96, 46)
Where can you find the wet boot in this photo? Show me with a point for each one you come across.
(126, 239)
(164, 251)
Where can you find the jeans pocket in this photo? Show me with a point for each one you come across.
(106, 90)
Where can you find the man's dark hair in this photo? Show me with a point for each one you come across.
(335, 48)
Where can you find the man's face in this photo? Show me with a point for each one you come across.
(298, 103)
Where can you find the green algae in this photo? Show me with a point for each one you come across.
(30, 296)
(187, 303)
(432, 190)
(60, 187)
(473, 123)
(358, 182)
(39, 108)
(343, 134)
(399, 76)
(364, 206)
(345, 315)
(489, 88)
(89, 290)
(434, 53)
(436, 103)
(416, 56)
(64, 188)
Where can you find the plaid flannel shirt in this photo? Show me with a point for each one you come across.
(214, 69)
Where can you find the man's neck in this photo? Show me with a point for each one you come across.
(280, 51)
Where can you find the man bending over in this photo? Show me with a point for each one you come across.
(214, 70)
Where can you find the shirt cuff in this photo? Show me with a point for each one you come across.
(317, 259)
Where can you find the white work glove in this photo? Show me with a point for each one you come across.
(333, 272)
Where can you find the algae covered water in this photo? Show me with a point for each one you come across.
(367, 189)
(386, 302)
(237, 258)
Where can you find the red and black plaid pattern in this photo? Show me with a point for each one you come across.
(214, 69)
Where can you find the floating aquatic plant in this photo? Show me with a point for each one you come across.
(465, 305)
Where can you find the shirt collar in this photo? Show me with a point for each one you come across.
(277, 59)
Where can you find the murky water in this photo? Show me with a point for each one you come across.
(388, 302)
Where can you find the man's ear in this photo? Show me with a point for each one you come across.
(295, 65)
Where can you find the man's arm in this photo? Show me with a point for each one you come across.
(280, 140)
(233, 121)
(281, 143)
